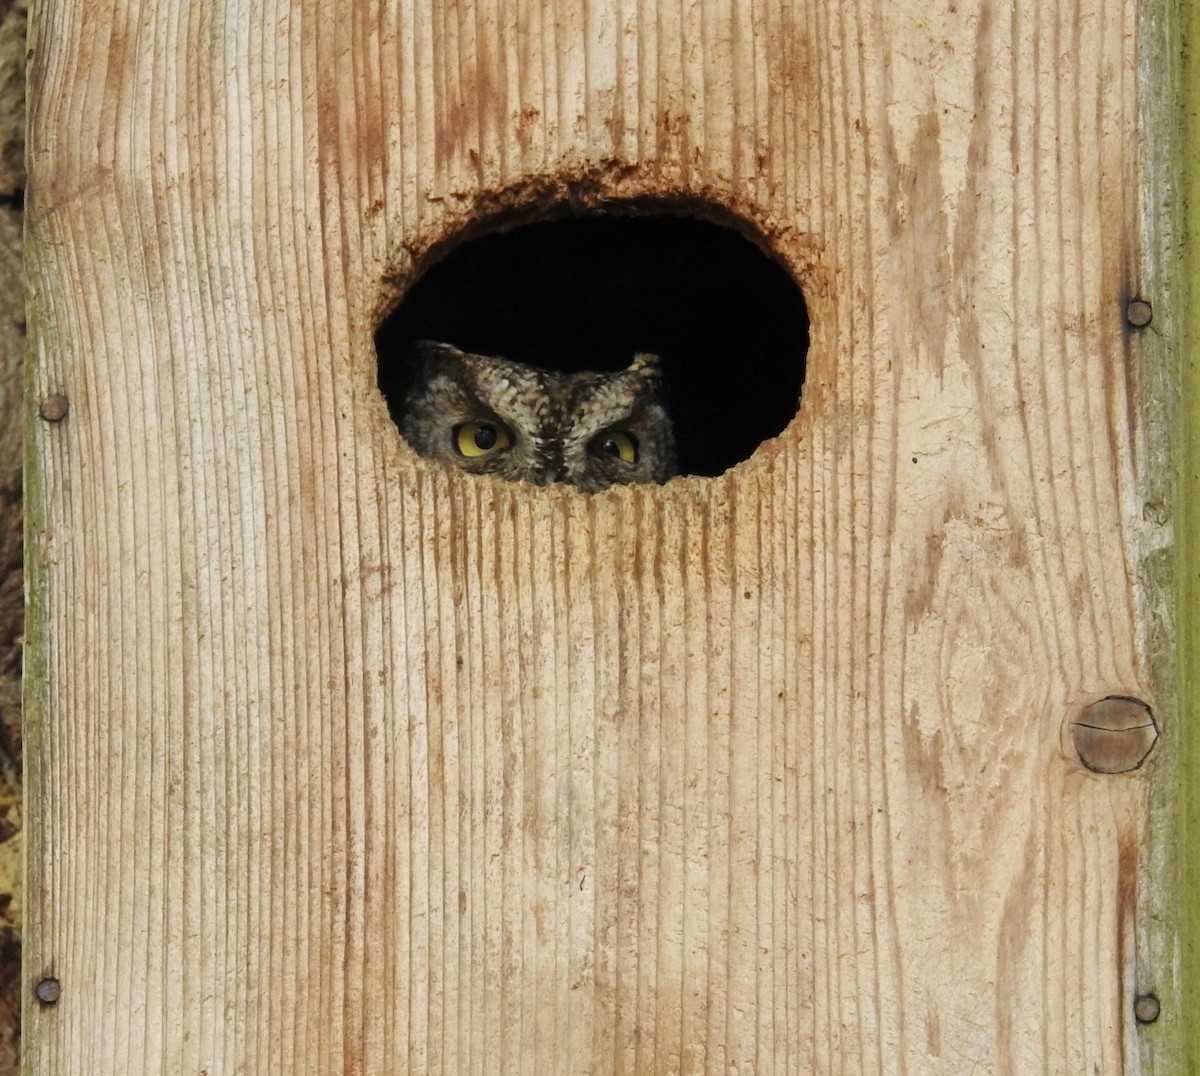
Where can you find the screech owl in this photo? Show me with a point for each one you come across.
(493, 416)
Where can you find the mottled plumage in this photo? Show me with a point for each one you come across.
(493, 416)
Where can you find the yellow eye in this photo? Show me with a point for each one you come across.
(617, 443)
(475, 440)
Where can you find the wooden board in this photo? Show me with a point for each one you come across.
(1180, 839)
(343, 764)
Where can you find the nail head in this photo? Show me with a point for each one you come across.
(1139, 313)
(1114, 735)
(54, 407)
(1146, 1009)
(48, 990)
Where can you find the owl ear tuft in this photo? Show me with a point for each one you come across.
(435, 351)
(433, 358)
(646, 363)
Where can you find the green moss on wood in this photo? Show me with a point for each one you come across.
(1187, 519)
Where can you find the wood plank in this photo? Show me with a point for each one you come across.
(1176, 818)
(344, 764)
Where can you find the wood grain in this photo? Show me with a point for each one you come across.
(343, 764)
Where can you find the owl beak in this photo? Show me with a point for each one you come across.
(551, 466)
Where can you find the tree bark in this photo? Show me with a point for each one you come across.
(12, 601)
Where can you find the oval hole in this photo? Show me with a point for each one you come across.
(590, 292)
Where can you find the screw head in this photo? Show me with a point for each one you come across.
(1114, 735)
(54, 407)
(1146, 1009)
(1139, 313)
(48, 990)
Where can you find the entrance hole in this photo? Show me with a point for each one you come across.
(588, 293)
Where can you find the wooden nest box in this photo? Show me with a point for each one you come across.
(824, 756)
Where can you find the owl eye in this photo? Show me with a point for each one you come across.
(476, 440)
(617, 443)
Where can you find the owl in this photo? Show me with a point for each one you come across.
(494, 416)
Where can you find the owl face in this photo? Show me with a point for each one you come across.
(493, 416)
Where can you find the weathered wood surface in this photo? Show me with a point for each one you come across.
(344, 764)
(1180, 172)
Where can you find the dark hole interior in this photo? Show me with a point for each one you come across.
(589, 292)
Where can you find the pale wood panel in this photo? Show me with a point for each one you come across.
(343, 764)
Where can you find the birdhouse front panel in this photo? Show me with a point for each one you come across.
(586, 537)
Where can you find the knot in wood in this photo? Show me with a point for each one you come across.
(1114, 735)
